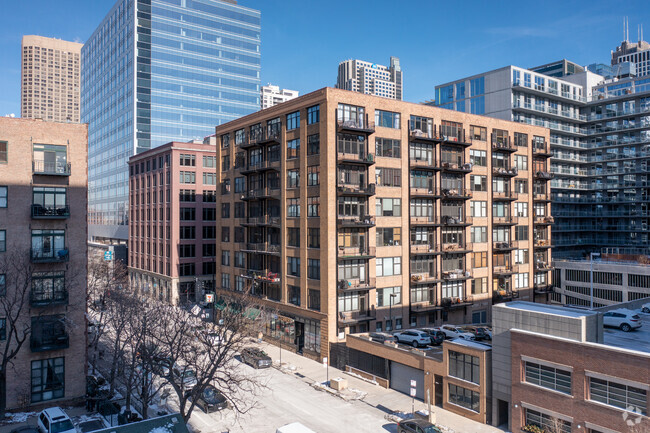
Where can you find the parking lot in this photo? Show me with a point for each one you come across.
(638, 339)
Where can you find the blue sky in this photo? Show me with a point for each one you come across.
(304, 40)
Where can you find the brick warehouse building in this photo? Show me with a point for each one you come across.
(344, 224)
(172, 233)
(43, 259)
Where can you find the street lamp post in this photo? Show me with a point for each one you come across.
(390, 310)
(591, 279)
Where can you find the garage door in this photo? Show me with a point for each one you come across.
(401, 376)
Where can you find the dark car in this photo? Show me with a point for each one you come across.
(91, 425)
(416, 426)
(211, 400)
(382, 337)
(437, 336)
(479, 333)
(256, 358)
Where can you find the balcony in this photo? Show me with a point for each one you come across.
(542, 243)
(262, 221)
(425, 163)
(456, 247)
(270, 134)
(503, 144)
(352, 317)
(264, 276)
(456, 274)
(451, 135)
(262, 247)
(359, 125)
(542, 266)
(45, 168)
(430, 192)
(357, 285)
(43, 299)
(356, 252)
(419, 135)
(505, 172)
(356, 221)
(504, 246)
(431, 248)
(504, 270)
(544, 175)
(509, 220)
(261, 166)
(356, 158)
(456, 220)
(541, 149)
(353, 189)
(541, 196)
(49, 255)
(542, 288)
(425, 305)
(262, 193)
(425, 221)
(50, 212)
(456, 194)
(544, 220)
(457, 168)
(424, 278)
(456, 302)
(504, 295)
(504, 195)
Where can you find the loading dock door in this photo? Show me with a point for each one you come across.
(401, 376)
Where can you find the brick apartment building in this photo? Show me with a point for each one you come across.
(344, 224)
(172, 221)
(43, 259)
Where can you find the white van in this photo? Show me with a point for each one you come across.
(294, 427)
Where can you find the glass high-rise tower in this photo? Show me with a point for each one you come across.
(156, 71)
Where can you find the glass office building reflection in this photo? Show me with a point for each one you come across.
(156, 71)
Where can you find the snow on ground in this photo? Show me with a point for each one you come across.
(11, 418)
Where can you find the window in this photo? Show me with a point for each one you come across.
(3, 152)
(48, 379)
(293, 295)
(293, 237)
(313, 206)
(548, 377)
(209, 178)
(521, 162)
(618, 395)
(389, 207)
(479, 260)
(313, 269)
(388, 176)
(478, 157)
(387, 119)
(225, 258)
(477, 105)
(387, 266)
(388, 148)
(521, 233)
(479, 285)
(464, 366)
(210, 214)
(521, 186)
(313, 301)
(521, 140)
(521, 257)
(313, 238)
(313, 114)
(225, 281)
(293, 120)
(478, 133)
(479, 183)
(478, 208)
(293, 148)
(209, 161)
(293, 266)
(3, 285)
(293, 207)
(46, 244)
(187, 232)
(313, 144)
(521, 209)
(477, 86)
(240, 184)
(209, 250)
(521, 281)
(389, 236)
(293, 178)
(209, 232)
(187, 177)
(479, 234)
(187, 160)
(464, 397)
(3, 196)
(313, 174)
(543, 421)
(384, 296)
(225, 234)
(185, 251)
(3, 329)
(225, 210)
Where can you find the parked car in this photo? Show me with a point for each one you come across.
(437, 336)
(211, 400)
(54, 420)
(162, 366)
(624, 319)
(256, 358)
(646, 308)
(184, 376)
(416, 426)
(452, 331)
(382, 337)
(477, 331)
(91, 425)
(488, 332)
(414, 337)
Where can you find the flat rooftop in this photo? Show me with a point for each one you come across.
(556, 310)
(638, 339)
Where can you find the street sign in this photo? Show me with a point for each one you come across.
(325, 362)
(108, 256)
(209, 298)
(413, 392)
(413, 383)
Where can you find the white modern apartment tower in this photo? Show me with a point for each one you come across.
(272, 95)
(371, 78)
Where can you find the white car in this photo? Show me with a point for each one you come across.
(624, 319)
(413, 337)
(54, 420)
(452, 331)
(646, 308)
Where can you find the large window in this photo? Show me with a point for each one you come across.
(388, 147)
(387, 119)
(463, 366)
(618, 395)
(548, 377)
(389, 207)
(384, 296)
(313, 269)
(293, 148)
(49, 158)
(293, 266)
(465, 398)
(46, 244)
(3, 152)
(388, 176)
(313, 144)
(546, 422)
(313, 114)
(349, 301)
(3, 196)
(48, 379)
(387, 266)
(293, 120)
(3, 240)
(48, 287)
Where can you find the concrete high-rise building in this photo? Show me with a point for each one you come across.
(157, 71)
(348, 212)
(635, 52)
(43, 261)
(50, 79)
(169, 253)
(371, 78)
(273, 95)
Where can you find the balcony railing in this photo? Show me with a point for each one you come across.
(430, 191)
(424, 277)
(456, 220)
(357, 316)
(356, 221)
(504, 246)
(541, 148)
(363, 251)
(265, 276)
(425, 304)
(361, 124)
(357, 284)
(542, 266)
(456, 274)
(429, 163)
(425, 220)
(270, 134)
(504, 270)
(59, 297)
(261, 193)
(452, 166)
(504, 195)
(418, 134)
(541, 288)
(353, 189)
(505, 220)
(544, 220)
(503, 144)
(543, 243)
(424, 248)
(461, 194)
(456, 302)
(42, 343)
(503, 171)
(541, 197)
(51, 168)
(49, 256)
(262, 247)
(262, 165)
(454, 135)
(50, 212)
(456, 247)
(543, 175)
(263, 220)
(356, 157)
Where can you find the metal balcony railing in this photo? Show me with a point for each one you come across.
(50, 212)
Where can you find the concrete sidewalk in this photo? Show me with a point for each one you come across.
(386, 401)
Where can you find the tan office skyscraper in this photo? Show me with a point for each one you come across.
(50, 79)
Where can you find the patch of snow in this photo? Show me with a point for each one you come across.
(163, 429)
(11, 418)
(358, 376)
